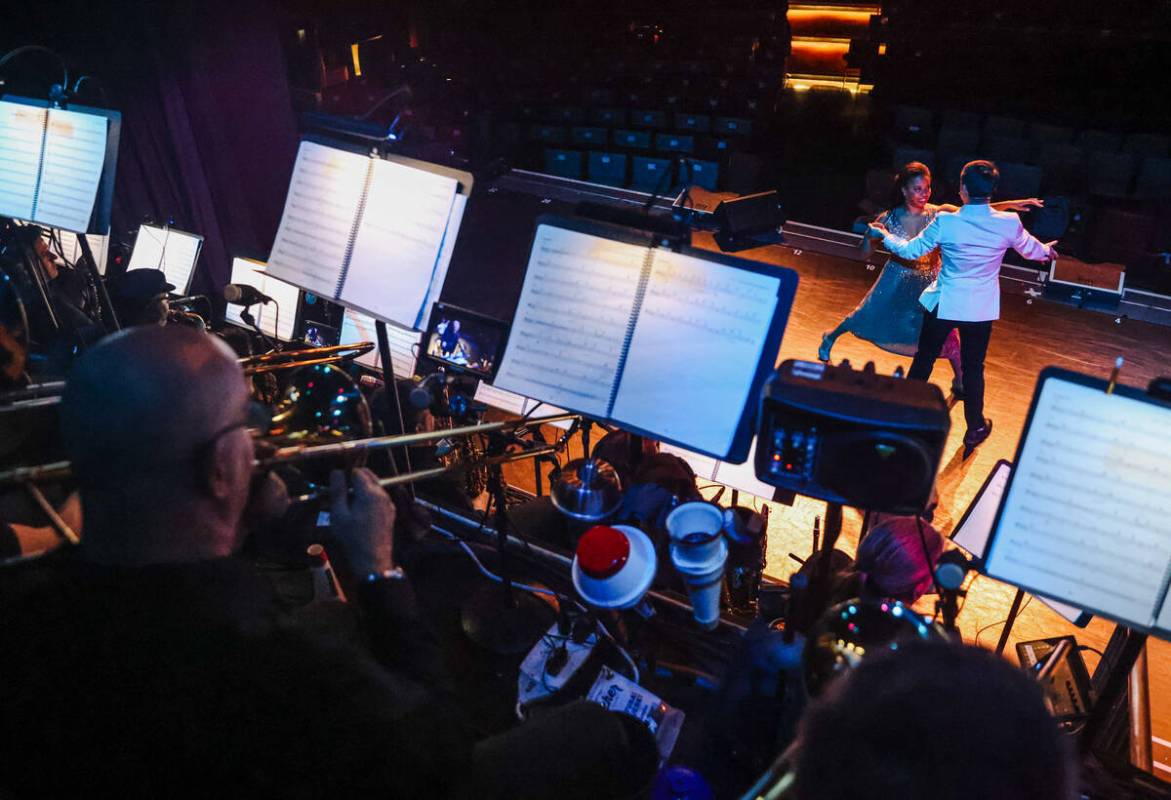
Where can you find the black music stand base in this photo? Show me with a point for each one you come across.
(503, 624)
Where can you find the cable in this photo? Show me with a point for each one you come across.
(486, 572)
(621, 650)
(36, 48)
(636, 676)
(1004, 621)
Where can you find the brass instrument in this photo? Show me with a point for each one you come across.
(295, 454)
(304, 357)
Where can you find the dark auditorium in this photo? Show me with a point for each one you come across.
(518, 400)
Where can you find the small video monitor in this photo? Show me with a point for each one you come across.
(465, 341)
(318, 334)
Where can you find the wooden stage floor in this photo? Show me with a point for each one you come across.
(1028, 337)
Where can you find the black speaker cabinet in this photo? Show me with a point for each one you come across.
(852, 437)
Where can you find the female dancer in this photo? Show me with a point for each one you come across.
(890, 315)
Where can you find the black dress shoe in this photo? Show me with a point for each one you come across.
(957, 390)
(975, 437)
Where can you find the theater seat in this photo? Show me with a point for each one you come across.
(606, 168)
(563, 163)
(650, 174)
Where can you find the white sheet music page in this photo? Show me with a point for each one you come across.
(436, 288)
(704, 466)
(973, 535)
(571, 321)
(22, 131)
(71, 247)
(743, 476)
(75, 151)
(174, 252)
(250, 272)
(1087, 519)
(314, 234)
(397, 248)
(278, 319)
(696, 347)
(359, 327)
(499, 398)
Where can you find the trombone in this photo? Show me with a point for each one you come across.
(295, 454)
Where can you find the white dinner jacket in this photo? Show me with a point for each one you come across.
(972, 242)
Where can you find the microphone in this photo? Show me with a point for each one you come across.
(421, 395)
(241, 294)
(187, 300)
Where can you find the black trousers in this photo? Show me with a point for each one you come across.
(974, 338)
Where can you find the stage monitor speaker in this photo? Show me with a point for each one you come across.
(852, 437)
(749, 221)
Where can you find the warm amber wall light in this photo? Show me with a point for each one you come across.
(821, 45)
(357, 61)
(853, 16)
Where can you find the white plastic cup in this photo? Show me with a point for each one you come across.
(703, 587)
(695, 529)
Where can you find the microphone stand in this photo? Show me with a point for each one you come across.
(501, 619)
(250, 320)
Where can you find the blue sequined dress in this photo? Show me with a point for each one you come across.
(890, 315)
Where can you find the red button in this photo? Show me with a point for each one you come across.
(602, 551)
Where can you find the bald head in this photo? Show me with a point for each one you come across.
(153, 417)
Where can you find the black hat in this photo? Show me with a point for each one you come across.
(139, 283)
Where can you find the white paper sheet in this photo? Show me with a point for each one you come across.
(314, 234)
(743, 476)
(399, 239)
(174, 252)
(1088, 516)
(449, 239)
(973, 535)
(277, 320)
(703, 466)
(75, 150)
(571, 320)
(71, 248)
(359, 327)
(22, 131)
(697, 344)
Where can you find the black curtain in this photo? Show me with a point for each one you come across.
(208, 131)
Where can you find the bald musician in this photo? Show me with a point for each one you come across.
(150, 660)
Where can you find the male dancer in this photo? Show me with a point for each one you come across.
(966, 295)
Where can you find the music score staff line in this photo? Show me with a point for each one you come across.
(1087, 543)
(1106, 590)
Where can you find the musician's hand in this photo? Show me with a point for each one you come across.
(362, 524)
(268, 501)
(876, 230)
(1052, 248)
(1027, 204)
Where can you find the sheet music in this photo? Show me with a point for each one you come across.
(22, 131)
(75, 150)
(703, 466)
(696, 348)
(358, 327)
(174, 252)
(516, 404)
(973, 535)
(1088, 516)
(71, 247)
(571, 321)
(743, 476)
(314, 234)
(501, 399)
(449, 239)
(278, 320)
(397, 248)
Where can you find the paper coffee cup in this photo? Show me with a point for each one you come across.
(696, 532)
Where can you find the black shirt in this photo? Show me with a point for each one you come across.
(185, 679)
